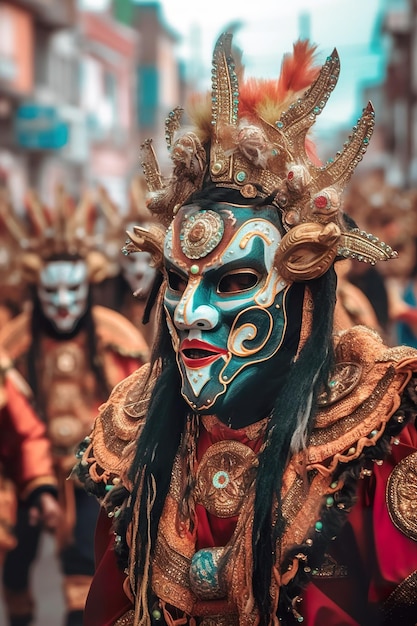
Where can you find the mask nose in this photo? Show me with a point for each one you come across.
(191, 315)
(62, 297)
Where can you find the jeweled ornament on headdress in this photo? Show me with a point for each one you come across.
(252, 137)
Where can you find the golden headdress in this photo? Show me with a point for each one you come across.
(252, 138)
(66, 229)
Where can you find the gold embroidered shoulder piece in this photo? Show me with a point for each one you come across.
(118, 424)
(363, 393)
(117, 332)
(15, 336)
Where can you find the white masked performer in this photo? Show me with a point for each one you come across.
(271, 474)
(132, 286)
(72, 354)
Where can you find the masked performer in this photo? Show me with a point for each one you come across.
(272, 480)
(71, 354)
(131, 286)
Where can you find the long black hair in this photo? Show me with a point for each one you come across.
(307, 375)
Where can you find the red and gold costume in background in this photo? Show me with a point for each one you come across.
(264, 463)
(70, 370)
(68, 385)
(25, 455)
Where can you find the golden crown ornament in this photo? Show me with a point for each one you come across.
(66, 229)
(253, 138)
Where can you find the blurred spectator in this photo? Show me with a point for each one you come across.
(130, 289)
(390, 214)
(353, 307)
(369, 280)
(403, 302)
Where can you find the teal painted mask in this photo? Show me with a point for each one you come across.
(225, 303)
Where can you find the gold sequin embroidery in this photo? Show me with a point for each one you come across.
(401, 607)
(126, 620)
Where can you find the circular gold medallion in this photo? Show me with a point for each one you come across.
(200, 233)
(225, 472)
(401, 496)
(343, 380)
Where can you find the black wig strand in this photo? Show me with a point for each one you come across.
(305, 379)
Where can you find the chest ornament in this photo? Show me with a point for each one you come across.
(224, 475)
(400, 496)
(205, 579)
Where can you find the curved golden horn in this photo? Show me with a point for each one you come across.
(150, 239)
(224, 104)
(150, 167)
(338, 171)
(301, 115)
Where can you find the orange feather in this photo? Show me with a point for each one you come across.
(297, 73)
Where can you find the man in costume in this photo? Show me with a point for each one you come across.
(72, 354)
(264, 438)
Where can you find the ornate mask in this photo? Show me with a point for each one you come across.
(138, 271)
(231, 277)
(225, 300)
(63, 293)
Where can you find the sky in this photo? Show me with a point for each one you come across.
(266, 29)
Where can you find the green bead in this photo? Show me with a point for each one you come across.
(194, 269)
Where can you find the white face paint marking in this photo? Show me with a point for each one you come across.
(63, 293)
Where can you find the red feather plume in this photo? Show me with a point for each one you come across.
(297, 73)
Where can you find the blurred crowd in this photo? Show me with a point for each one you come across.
(383, 296)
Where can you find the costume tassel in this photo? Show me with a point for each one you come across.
(142, 615)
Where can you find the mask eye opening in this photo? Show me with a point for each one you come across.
(176, 282)
(238, 281)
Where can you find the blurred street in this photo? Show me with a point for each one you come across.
(47, 588)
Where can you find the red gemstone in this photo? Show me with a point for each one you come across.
(321, 202)
(290, 175)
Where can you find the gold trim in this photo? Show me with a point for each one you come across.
(126, 620)
(400, 496)
(401, 605)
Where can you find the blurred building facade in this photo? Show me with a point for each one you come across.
(80, 90)
(31, 125)
(400, 90)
